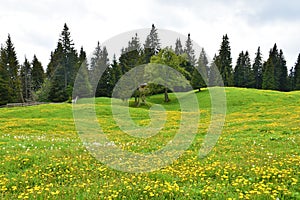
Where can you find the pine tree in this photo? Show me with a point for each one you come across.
(58, 92)
(291, 79)
(26, 80)
(275, 71)
(178, 47)
(297, 74)
(99, 68)
(5, 90)
(268, 76)
(257, 69)
(131, 55)
(37, 74)
(56, 59)
(214, 78)
(63, 67)
(224, 62)
(199, 80)
(12, 64)
(283, 73)
(238, 70)
(190, 51)
(82, 87)
(70, 57)
(151, 46)
(243, 74)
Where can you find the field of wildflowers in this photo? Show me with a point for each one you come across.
(256, 157)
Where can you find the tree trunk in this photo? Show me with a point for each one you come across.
(166, 95)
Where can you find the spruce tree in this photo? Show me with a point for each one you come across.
(5, 90)
(291, 79)
(238, 71)
(178, 47)
(199, 80)
(214, 78)
(283, 73)
(297, 74)
(70, 57)
(243, 74)
(151, 46)
(82, 87)
(26, 80)
(37, 74)
(224, 62)
(275, 71)
(63, 67)
(131, 55)
(257, 69)
(268, 73)
(99, 65)
(190, 51)
(12, 64)
(56, 59)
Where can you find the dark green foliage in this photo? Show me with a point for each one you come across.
(26, 80)
(4, 79)
(224, 62)
(63, 67)
(178, 47)
(297, 74)
(151, 46)
(99, 72)
(10, 62)
(82, 87)
(190, 52)
(291, 80)
(200, 80)
(257, 69)
(275, 71)
(243, 74)
(214, 78)
(37, 74)
(58, 91)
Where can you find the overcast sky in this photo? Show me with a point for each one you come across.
(35, 25)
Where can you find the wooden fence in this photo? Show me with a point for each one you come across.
(9, 105)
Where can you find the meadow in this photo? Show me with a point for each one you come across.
(256, 157)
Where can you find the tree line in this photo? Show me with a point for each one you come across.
(29, 82)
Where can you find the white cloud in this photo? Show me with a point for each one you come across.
(35, 25)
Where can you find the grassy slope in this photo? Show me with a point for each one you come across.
(256, 157)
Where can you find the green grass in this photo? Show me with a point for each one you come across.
(256, 157)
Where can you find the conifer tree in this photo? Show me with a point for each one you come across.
(275, 71)
(82, 87)
(224, 62)
(291, 79)
(243, 74)
(199, 80)
(11, 62)
(26, 80)
(5, 90)
(297, 74)
(257, 69)
(151, 46)
(190, 51)
(37, 74)
(63, 67)
(178, 47)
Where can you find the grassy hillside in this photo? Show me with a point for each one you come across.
(256, 157)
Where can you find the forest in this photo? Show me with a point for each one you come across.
(29, 81)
